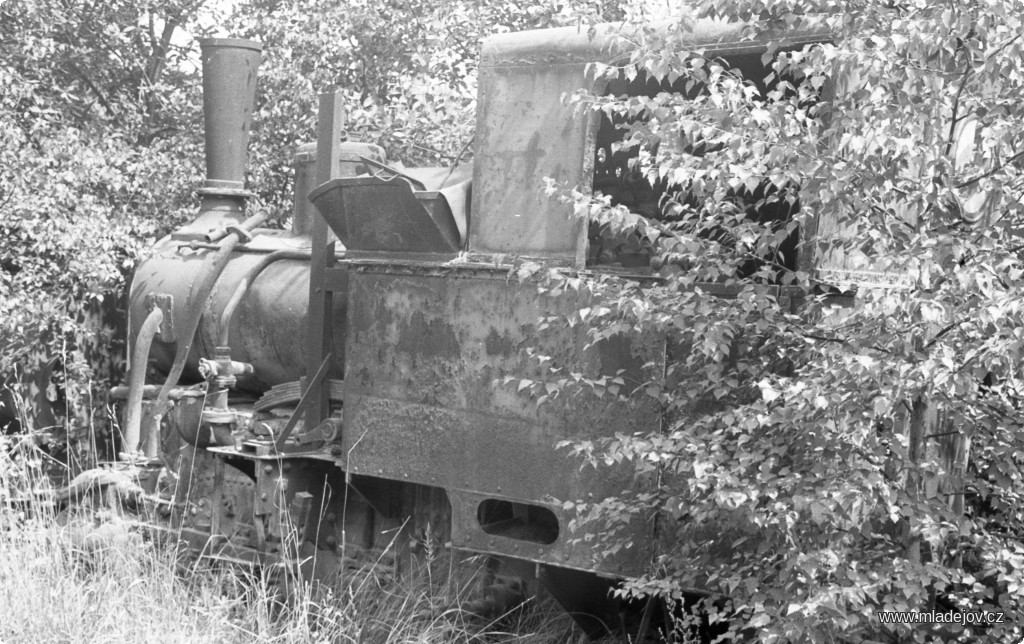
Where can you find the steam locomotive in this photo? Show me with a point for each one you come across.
(351, 385)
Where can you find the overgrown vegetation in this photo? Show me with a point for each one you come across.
(99, 156)
(854, 449)
(852, 444)
(98, 573)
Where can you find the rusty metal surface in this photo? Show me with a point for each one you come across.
(373, 214)
(526, 133)
(520, 115)
(268, 329)
(430, 347)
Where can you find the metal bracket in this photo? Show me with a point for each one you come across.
(311, 386)
(165, 302)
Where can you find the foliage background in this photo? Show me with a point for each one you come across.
(830, 456)
(806, 448)
(98, 157)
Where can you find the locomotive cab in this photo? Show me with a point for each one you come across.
(524, 81)
(443, 385)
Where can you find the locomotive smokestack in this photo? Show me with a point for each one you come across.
(229, 92)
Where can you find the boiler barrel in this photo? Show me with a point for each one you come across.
(269, 327)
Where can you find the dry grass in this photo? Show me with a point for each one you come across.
(52, 589)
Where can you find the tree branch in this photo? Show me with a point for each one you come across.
(956, 107)
(95, 90)
(1003, 46)
(158, 56)
(991, 172)
(946, 329)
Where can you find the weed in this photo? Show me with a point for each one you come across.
(57, 585)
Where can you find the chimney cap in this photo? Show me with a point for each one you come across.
(241, 43)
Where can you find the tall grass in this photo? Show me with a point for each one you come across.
(56, 586)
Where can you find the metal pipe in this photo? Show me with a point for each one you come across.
(252, 250)
(247, 225)
(197, 305)
(120, 392)
(137, 379)
(243, 287)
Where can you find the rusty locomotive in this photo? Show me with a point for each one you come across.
(342, 386)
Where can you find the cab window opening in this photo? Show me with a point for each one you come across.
(619, 158)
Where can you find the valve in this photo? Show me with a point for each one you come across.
(222, 371)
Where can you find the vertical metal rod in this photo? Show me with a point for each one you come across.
(321, 300)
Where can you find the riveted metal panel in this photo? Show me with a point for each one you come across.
(525, 134)
(430, 351)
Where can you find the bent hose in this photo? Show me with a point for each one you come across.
(137, 380)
